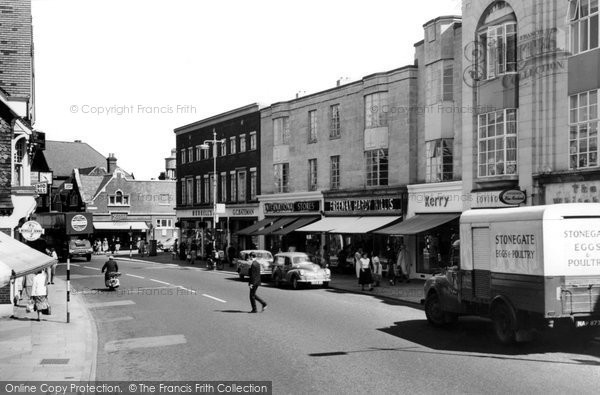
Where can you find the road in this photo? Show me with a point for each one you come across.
(175, 323)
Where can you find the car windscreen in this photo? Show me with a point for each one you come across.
(300, 259)
(263, 255)
(79, 243)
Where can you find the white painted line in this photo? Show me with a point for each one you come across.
(212, 297)
(188, 290)
(118, 319)
(93, 268)
(79, 276)
(133, 275)
(73, 264)
(160, 282)
(144, 342)
(111, 304)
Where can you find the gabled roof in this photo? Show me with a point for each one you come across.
(64, 156)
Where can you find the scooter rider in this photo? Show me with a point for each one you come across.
(110, 266)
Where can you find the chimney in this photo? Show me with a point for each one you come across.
(111, 163)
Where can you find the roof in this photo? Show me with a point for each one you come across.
(64, 156)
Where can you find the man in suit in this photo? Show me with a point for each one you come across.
(254, 282)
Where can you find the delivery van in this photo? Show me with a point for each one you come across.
(526, 268)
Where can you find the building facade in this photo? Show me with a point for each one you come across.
(237, 162)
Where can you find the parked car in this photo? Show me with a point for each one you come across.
(244, 261)
(296, 269)
(166, 245)
(80, 249)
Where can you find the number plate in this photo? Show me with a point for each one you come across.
(581, 324)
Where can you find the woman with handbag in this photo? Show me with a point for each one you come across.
(39, 291)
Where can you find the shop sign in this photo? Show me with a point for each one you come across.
(292, 207)
(348, 206)
(513, 197)
(31, 230)
(41, 188)
(243, 212)
(79, 223)
(423, 202)
(116, 217)
(488, 199)
(202, 213)
(68, 186)
(573, 192)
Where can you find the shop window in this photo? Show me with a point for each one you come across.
(334, 174)
(281, 173)
(376, 110)
(335, 129)
(118, 199)
(281, 131)
(584, 29)
(377, 167)
(164, 223)
(439, 160)
(497, 143)
(583, 130)
(498, 35)
(312, 174)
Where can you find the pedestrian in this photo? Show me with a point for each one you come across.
(182, 250)
(104, 245)
(403, 264)
(142, 247)
(231, 254)
(39, 292)
(174, 249)
(53, 266)
(254, 282)
(19, 284)
(117, 245)
(364, 272)
(29, 284)
(111, 245)
(377, 268)
(357, 256)
(193, 252)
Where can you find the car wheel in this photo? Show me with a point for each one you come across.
(326, 284)
(433, 310)
(295, 283)
(503, 324)
(88, 257)
(241, 275)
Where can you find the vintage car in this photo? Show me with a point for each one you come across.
(296, 269)
(244, 261)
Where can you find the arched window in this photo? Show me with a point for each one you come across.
(119, 199)
(497, 36)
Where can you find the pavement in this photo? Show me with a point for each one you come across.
(53, 349)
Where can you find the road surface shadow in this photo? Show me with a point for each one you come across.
(475, 335)
(384, 299)
(230, 311)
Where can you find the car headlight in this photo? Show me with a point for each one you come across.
(327, 272)
(302, 272)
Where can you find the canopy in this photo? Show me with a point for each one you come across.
(120, 225)
(329, 223)
(252, 228)
(417, 224)
(298, 223)
(20, 258)
(280, 223)
(366, 224)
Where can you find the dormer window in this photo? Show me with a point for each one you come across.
(118, 199)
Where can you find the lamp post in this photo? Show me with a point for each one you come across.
(205, 146)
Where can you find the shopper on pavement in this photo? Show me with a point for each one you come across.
(53, 266)
(364, 272)
(39, 291)
(403, 263)
(377, 268)
(254, 282)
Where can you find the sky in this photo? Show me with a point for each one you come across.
(121, 75)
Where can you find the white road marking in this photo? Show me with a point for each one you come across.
(118, 319)
(160, 282)
(212, 297)
(143, 342)
(79, 276)
(133, 275)
(72, 264)
(111, 304)
(188, 290)
(89, 267)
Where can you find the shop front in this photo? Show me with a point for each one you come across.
(430, 227)
(350, 217)
(122, 228)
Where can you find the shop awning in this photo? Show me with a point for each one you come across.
(300, 222)
(367, 224)
(417, 224)
(20, 258)
(260, 224)
(280, 223)
(120, 225)
(328, 224)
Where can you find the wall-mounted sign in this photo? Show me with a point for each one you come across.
(41, 188)
(488, 199)
(79, 223)
(513, 197)
(292, 207)
(364, 205)
(68, 186)
(573, 192)
(116, 217)
(221, 208)
(31, 230)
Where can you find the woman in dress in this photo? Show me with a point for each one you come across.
(39, 291)
(364, 272)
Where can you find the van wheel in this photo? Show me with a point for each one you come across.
(503, 324)
(295, 283)
(433, 310)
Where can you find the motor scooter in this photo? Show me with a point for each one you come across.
(112, 282)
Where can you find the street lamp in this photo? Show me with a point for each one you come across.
(205, 146)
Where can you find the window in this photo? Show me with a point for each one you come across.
(20, 150)
(198, 189)
(182, 156)
(583, 17)
(119, 199)
(232, 146)
(252, 141)
(334, 122)
(223, 196)
(233, 185)
(241, 186)
(183, 192)
(198, 152)
(223, 149)
(439, 160)
(253, 183)
(281, 131)
(164, 223)
(206, 189)
(583, 130)
(312, 126)
(497, 143)
(190, 152)
(376, 110)
(312, 174)
(377, 167)
(334, 174)
(281, 173)
(500, 42)
(448, 81)
(242, 143)
(190, 190)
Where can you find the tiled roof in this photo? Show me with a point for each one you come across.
(89, 186)
(64, 156)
